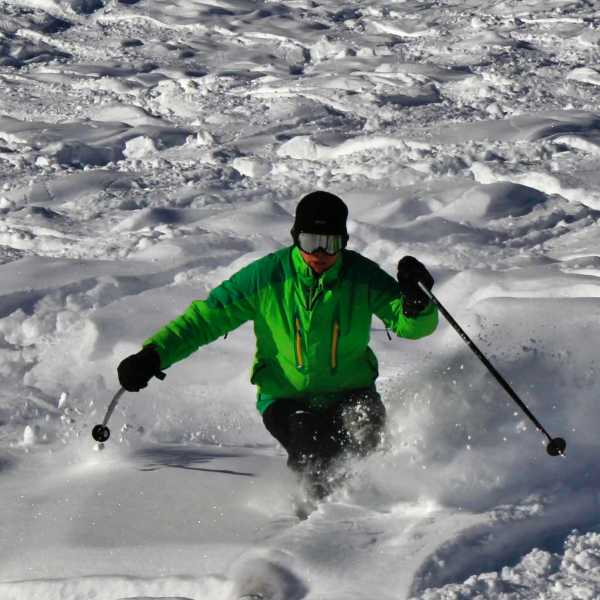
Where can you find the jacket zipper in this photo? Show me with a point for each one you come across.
(312, 296)
(334, 344)
(299, 358)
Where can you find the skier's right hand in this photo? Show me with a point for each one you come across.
(137, 370)
(411, 272)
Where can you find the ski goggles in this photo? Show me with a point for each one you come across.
(312, 242)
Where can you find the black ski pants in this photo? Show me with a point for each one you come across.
(353, 425)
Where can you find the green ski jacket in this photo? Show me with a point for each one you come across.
(312, 332)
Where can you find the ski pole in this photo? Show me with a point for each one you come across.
(556, 446)
(101, 432)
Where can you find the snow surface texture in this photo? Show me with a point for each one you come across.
(148, 150)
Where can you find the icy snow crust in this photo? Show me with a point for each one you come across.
(148, 150)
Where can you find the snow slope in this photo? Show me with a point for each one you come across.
(148, 150)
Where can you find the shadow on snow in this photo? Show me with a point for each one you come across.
(186, 458)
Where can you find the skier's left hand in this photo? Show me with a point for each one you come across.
(411, 271)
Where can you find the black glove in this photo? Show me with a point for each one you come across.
(137, 370)
(410, 271)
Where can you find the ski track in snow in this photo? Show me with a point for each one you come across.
(150, 150)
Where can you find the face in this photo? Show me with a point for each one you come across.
(320, 261)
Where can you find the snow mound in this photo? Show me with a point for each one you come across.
(123, 113)
(304, 148)
(585, 75)
(114, 587)
(152, 217)
(531, 127)
(264, 216)
(19, 53)
(70, 188)
(84, 144)
(494, 201)
(539, 574)
(549, 183)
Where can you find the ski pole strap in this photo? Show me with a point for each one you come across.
(484, 360)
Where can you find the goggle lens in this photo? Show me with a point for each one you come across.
(311, 242)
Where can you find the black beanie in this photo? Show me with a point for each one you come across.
(321, 212)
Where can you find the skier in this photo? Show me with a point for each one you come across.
(312, 305)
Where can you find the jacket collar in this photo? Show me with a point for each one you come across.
(308, 278)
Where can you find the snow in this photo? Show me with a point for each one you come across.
(149, 150)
